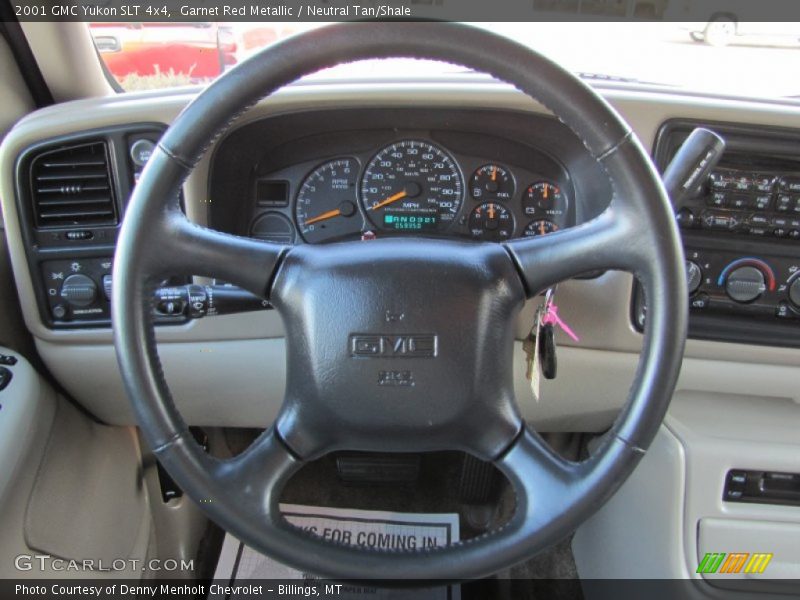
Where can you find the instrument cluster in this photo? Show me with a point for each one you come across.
(412, 186)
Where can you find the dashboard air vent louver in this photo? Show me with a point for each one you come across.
(72, 186)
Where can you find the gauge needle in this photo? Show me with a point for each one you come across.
(494, 173)
(324, 216)
(491, 211)
(541, 227)
(389, 200)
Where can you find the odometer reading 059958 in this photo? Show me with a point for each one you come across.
(412, 186)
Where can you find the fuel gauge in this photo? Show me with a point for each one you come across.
(491, 182)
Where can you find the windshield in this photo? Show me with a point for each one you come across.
(721, 57)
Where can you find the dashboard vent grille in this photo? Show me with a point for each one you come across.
(72, 186)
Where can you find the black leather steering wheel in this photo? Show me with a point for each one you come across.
(461, 300)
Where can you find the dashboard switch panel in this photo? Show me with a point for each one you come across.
(762, 487)
(741, 236)
(74, 289)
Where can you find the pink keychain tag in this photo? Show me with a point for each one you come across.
(551, 318)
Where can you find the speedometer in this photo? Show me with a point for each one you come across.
(412, 186)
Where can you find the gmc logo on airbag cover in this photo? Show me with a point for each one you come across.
(375, 345)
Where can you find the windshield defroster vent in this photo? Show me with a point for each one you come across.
(73, 186)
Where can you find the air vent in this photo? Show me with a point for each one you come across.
(72, 186)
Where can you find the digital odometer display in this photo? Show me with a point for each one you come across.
(409, 179)
(409, 222)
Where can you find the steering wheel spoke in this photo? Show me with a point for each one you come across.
(258, 475)
(543, 479)
(549, 488)
(189, 249)
(610, 241)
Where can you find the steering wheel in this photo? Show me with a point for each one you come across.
(459, 302)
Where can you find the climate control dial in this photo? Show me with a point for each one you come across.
(745, 280)
(694, 276)
(794, 292)
(745, 284)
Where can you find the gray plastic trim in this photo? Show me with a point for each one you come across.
(680, 484)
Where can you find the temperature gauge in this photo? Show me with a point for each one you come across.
(491, 182)
(492, 222)
(544, 199)
(540, 227)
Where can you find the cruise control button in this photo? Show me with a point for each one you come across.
(758, 220)
(780, 232)
(783, 203)
(794, 234)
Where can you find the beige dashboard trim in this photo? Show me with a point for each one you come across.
(598, 309)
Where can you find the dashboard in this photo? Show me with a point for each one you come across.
(472, 175)
(315, 149)
(262, 171)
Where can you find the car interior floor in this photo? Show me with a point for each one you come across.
(437, 482)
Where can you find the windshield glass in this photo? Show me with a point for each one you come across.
(720, 57)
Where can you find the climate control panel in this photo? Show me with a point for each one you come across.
(749, 285)
(751, 299)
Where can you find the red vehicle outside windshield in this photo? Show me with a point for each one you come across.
(188, 52)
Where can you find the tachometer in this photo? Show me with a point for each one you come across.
(326, 203)
(412, 186)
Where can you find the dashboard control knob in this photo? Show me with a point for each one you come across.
(794, 293)
(745, 284)
(79, 290)
(141, 151)
(685, 218)
(694, 276)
